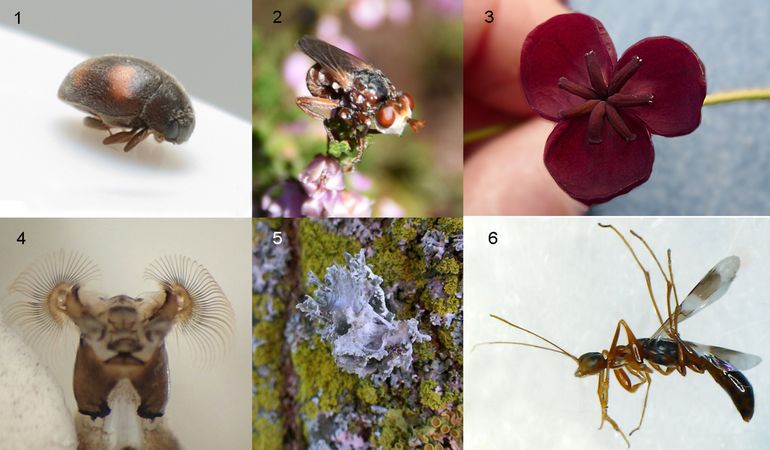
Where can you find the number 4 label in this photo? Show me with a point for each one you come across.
(21, 238)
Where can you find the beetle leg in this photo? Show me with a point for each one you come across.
(123, 136)
(95, 122)
(136, 139)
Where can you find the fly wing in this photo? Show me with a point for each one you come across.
(724, 358)
(337, 62)
(710, 289)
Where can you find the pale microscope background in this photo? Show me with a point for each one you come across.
(571, 281)
(210, 402)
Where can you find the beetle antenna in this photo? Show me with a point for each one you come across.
(557, 350)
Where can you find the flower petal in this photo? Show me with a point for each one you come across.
(557, 48)
(674, 74)
(596, 173)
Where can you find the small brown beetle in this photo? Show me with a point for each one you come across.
(127, 92)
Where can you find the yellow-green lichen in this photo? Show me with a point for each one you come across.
(321, 248)
(367, 392)
(429, 396)
(395, 430)
(319, 377)
(266, 435)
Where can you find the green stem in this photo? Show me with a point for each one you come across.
(483, 133)
(741, 95)
(737, 96)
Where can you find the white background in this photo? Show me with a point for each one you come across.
(210, 404)
(571, 281)
(51, 165)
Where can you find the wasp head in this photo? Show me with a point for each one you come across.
(590, 364)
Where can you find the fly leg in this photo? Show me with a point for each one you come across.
(316, 107)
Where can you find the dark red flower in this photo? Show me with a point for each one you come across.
(607, 108)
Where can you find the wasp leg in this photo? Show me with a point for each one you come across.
(123, 136)
(136, 139)
(604, 381)
(667, 371)
(648, 381)
(645, 272)
(603, 391)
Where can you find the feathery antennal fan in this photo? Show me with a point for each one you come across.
(204, 315)
(47, 288)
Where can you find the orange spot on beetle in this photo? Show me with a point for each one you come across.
(121, 82)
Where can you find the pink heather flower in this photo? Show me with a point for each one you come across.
(322, 174)
(448, 7)
(294, 72)
(606, 107)
(369, 14)
(360, 182)
(352, 204)
(400, 11)
(324, 182)
(284, 200)
(388, 207)
(330, 30)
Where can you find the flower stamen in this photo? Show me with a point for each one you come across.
(579, 110)
(577, 89)
(624, 74)
(598, 82)
(617, 122)
(595, 123)
(626, 100)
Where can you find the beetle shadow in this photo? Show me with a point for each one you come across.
(149, 153)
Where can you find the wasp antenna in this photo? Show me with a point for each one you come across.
(44, 294)
(204, 315)
(559, 349)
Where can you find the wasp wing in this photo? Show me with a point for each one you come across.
(725, 358)
(337, 62)
(710, 289)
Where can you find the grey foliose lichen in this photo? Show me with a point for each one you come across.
(351, 307)
(269, 261)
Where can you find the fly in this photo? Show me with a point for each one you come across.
(352, 97)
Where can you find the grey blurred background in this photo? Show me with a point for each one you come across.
(206, 45)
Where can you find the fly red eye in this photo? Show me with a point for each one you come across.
(409, 100)
(386, 116)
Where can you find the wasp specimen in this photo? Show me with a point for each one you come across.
(352, 97)
(121, 371)
(665, 351)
